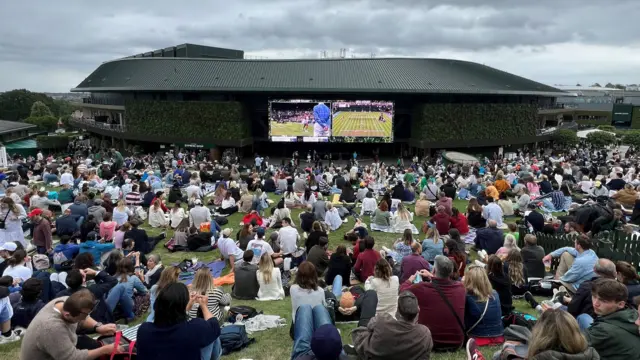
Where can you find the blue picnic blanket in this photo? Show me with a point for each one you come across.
(216, 268)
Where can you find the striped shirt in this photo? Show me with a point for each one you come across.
(133, 199)
(216, 301)
(82, 168)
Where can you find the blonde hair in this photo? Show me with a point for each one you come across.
(556, 330)
(265, 266)
(516, 272)
(477, 283)
(121, 205)
(432, 233)
(202, 281)
(510, 242)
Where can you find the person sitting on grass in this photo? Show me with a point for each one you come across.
(26, 309)
(172, 335)
(217, 299)
(366, 261)
(576, 263)
(269, 279)
(52, 333)
(169, 276)
(305, 290)
(229, 250)
(483, 315)
(246, 285)
(386, 285)
(386, 336)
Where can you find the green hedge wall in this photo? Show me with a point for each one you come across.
(52, 142)
(449, 122)
(187, 119)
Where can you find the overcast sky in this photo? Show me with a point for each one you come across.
(53, 45)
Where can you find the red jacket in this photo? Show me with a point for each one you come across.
(442, 221)
(247, 219)
(435, 313)
(366, 263)
(460, 222)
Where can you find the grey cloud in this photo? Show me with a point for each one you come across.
(76, 35)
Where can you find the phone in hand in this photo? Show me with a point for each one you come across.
(418, 279)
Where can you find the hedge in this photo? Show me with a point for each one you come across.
(601, 138)
(448, 122)
(187, 119)
(52, 142)
(631, 137)
(566, 137)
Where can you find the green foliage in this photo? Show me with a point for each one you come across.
(52, 142)
(606, 128)
(48, 123)
(601, 138)
(15, 105)
(631, 137)
(40, 109)
(187, 119)
(566, 137)
(454, 122)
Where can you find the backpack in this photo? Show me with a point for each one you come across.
(234, 338)
(170, 245)
(247, 312)
(40, 262)
(221, 220)
(141, 213)
(520, 319)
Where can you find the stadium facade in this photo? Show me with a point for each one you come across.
(211, 97)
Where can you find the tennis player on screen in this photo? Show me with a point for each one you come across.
(322, 120)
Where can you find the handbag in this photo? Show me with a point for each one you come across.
(119, 340)
(2, 223)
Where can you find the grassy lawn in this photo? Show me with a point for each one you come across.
(275, 344)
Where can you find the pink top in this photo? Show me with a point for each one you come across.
(118, 238)
(106, 230)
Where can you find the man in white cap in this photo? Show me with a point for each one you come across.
(199, 214)
(229, 249)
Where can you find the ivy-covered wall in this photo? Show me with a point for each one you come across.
(455, 122)
(187, 119)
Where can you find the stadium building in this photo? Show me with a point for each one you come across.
(206, 97)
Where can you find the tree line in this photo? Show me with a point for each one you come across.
(34, 108)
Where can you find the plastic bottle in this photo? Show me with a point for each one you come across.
(287, 264)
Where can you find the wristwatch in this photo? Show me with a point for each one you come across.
(96, 326)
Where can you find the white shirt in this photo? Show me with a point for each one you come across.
(18, 271)
(176, 217)
(198, 215)
(273, 290)
(227, 203)
(387, 294)
(40, 156)
(194, 189)
(259, 247)
(369, 204)
(66, 178)
(228, 247)
(288, 237)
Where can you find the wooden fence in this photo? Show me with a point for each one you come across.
(614, 245)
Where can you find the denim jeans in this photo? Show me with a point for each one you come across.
(336, 288)
(212, 351)
(118, 295)
(584, 321)
(548, 207)
(307, 321)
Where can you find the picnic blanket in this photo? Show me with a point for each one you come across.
(228, 279)
(131, 333)
(391, 229)
(216, 268)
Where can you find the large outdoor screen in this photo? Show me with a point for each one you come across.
(300, 120)
(309, 120)
(362, 121)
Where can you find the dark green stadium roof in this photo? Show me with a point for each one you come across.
(380, 75)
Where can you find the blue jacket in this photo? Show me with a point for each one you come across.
(582, 268)
(96, 249)
(491, 323)
(69, 250)
(79, 209)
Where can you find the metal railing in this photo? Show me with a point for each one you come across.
(102, 101)
(98, 124)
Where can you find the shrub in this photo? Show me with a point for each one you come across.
(48, 123)
(631, 137)
(52, 142)
(566, 137)
(449, 122)
(606, 128)
(601, 138)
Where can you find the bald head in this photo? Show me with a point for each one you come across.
(492, 224)
(605, 268)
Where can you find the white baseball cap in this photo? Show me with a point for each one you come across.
(8, 246)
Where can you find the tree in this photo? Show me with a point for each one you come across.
(632, 138)
(578, 84)
(601, 138)
(49, 123)
(566, 137)
(596, 85)
(15, 105)
(609, 85)
(39, 109)
(620, 86)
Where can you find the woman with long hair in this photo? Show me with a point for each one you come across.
(432, 245)
(172, 335)
(269, 279)
(291, 199)
(121, 213)
(474, 214)
(168, 276)
(12, 215)
(217, 299)
(156, 215)
(110, 265)
(259, 201)
(517, 273)
(176, 214)
(245, 235)
(219, 194)
(305, 290)
(338, 270)
(309, 198)
(118, 236)
(459, 221)
(500, 283)
(557, 335)
(132, 284)
(386, 286)
(381, 218)
(401, 247)
(316, 233)
(403, 220)
(18, 266)
(482, 314)
(509, 244)
(228, 205)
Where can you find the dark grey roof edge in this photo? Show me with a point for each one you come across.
(307, 90)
